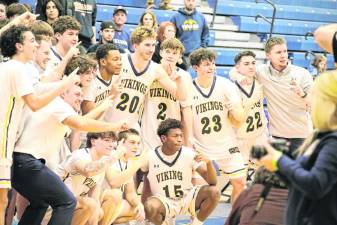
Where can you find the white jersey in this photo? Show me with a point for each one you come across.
(212, 130)
(14, 83)
(43, 132)
(99, 89)
(252, 102)
(79, 185)
(117, 167)
(170, 176)
(160, 105)
(129, 103)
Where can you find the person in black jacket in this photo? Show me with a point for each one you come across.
(312, 177)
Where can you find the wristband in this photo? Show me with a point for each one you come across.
(275, 159)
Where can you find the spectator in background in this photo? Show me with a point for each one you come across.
(320, 65)
(148, 19)
(106, 33)
(40, 8)
(122, 36)
(85, 13)
(192, 28)
(164, 4)
(165, 31)
(51, 10)
(3, 7)
(14, 10)
(273, 208)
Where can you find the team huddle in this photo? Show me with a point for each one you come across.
(79, 132)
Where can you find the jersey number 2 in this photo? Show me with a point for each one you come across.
(162, 109)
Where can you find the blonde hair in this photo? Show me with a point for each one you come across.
(324, 101)
(141, 33)
(173, 43)
(323, 109)
(271, 42)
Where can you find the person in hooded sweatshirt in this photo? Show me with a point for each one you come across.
(192, 28)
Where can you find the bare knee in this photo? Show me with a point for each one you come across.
(154, 211)
(213, 193)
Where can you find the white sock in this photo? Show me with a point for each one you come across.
(195, 221)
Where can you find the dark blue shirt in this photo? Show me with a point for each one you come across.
(312, 184)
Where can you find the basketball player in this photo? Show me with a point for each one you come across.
(31, 177)
(66, 30)
(160, 104)
(138, 73)
(18, 43)
(83, 172)
(254, 130)
(170, 167)
(216, 104)
(127, 205)
(104, 85)
(287, 90)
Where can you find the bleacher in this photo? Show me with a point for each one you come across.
(236, 28)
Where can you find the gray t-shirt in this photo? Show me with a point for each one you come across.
(289, 113)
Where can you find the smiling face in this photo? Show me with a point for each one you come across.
(87, 76)
(132, 143)
(112, 63)
(206, 68)
(68, 39)
(28, 47)
(74, 97)
(146, 48)
(103, 145)
(42, 55)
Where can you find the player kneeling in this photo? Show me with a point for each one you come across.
(126, 204)
(83, 172)
(169, 169)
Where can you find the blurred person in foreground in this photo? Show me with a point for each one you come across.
(271, 212)
(312, 177)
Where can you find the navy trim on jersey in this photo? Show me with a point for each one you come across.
(210, 91)
(134, 68)
(103, 81)
(56, 54)
(244, 91)
(170, 164)
(8, 125)
(120, 165)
